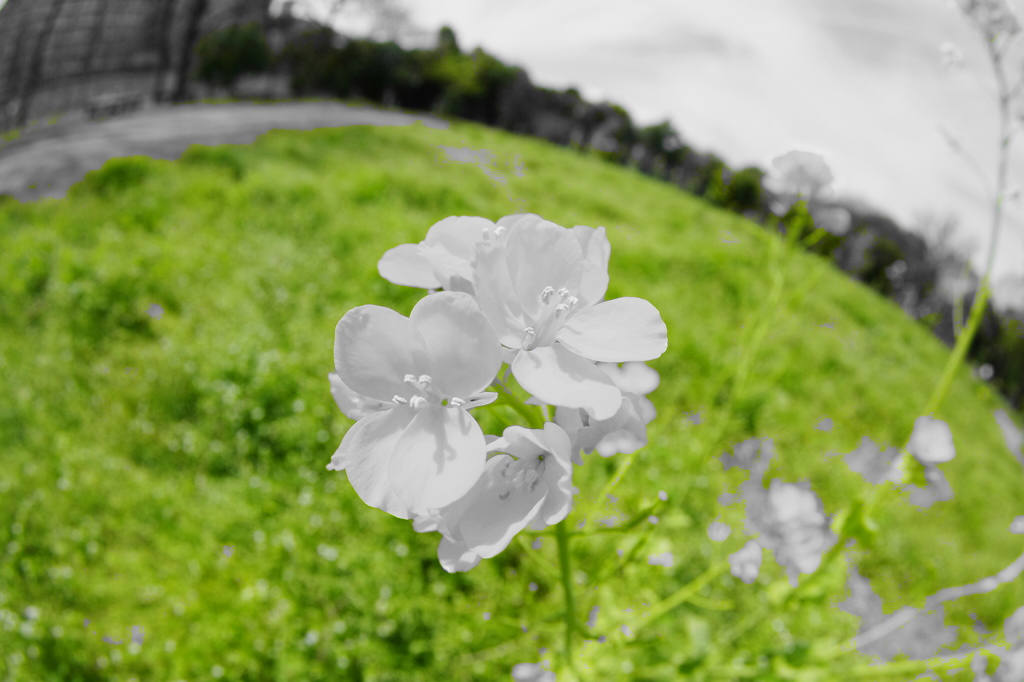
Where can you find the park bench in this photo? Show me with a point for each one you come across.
(113, 103)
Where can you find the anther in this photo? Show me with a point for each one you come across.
(529, 338)
(417, 401)
(572, 302)
(409, 379)
(561, 308)
(499, 231)
(563, 292)
(546, 294)
(456, 402)
(425, 379)
(400, 400)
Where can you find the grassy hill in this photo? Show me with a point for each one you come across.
(165, 419)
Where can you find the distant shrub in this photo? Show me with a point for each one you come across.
(115, 175)
(226, 55)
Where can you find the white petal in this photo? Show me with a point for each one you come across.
(456, 557)
(374, 348)
(597, 251)
(351, 404)
(407, 266)
(365, 455)
(495, 294)
(437, 460)
(540, 255)
(616, 331)
(931, 441)
(559, 377)
(464, 352)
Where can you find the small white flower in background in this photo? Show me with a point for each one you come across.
(799, 173)
(952, 56)
(745, 564)
(425, 451)
(531, 672)
(1017, 526)
(791, 521)
(666, 559)
(718, 531)
(1011, 434)
(874, 463)
(833, 219)
(931, 441)
(530, 483)
(545, 303)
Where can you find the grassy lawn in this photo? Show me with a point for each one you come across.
(165, 417)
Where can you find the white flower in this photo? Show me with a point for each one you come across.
(544, 300)
(804, 174)
(424, 451)
(528, 483)
(626, 430)
(932, 441)
(792, 525)
(745, 563)
(442, 260)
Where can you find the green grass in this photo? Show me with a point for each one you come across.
(136, 448)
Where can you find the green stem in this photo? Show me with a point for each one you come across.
(683, 594)
(565, 562)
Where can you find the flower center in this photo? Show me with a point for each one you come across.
(425, 394)
(557, 307)
(522, 472)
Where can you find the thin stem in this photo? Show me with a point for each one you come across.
(683, 594)
(565, 562)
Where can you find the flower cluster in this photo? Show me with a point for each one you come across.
(525, 293)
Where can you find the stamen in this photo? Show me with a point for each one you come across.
(399, 399)
(425, 379)
(409, 379)
(531, 476)
(529, 338)
(561, 308)
(499, 231)
(563, 292)
(456, 402)
(417, 401)
(546, 294)
(572, 302)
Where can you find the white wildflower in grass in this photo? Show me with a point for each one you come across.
(791, 522)
(528, 481)
(931, 441)
(745, 564)
(626, 430)
(531, 672)
(543, 299)
(875, 463)
(425, 451)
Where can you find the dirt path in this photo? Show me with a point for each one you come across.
(60, 155)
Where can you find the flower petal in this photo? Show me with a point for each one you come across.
(558, 477)
(597, 251)
(458, 235)
(374, 348)
(542, 254)
(365, 454)
(498, 511)
(406, 265)
(438, 458)
(494, 293)
(616, 331)
(351, 404)
(560, 377)
(464, 352)
(455, 557)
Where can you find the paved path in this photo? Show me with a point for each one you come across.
(51, 159)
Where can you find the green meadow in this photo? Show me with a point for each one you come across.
(166, 332)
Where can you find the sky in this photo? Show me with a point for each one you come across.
(860, 82)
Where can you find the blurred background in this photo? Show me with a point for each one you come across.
(899, 100)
